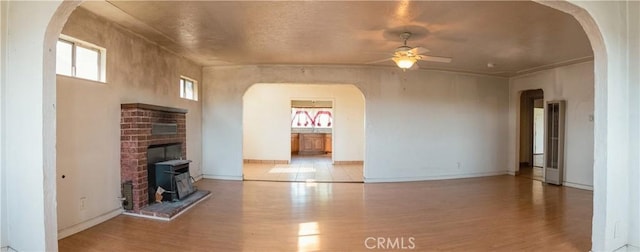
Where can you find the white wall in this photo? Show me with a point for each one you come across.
(634, 77)
(419, 124)
(30, 219)
(3, 197)
(574, 84)
(267, 117)
(88, 117)
(24, 106)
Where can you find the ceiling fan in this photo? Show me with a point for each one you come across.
(406, 57)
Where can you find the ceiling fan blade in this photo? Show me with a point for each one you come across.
(378, 61)
(419, 50)
(435, 59)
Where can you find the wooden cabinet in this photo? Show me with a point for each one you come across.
(327, 143)
(295, 140)
(311, 143)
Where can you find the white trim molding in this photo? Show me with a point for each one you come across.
(222, 177)
(578, 186)
(628, 248)
(7, 249)
(62, 233)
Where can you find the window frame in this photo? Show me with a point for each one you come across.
(183, 88)
(101, 57)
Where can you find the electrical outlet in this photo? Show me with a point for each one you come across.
(83, 201)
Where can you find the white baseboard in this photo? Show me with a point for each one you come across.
(7, 249)
(578, 186)
(88, 223)
(199, 177)
(348, 162)
(443, 177)
(627, 248)
(222, 177)
(512, 173)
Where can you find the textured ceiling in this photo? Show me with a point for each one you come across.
(517, 37)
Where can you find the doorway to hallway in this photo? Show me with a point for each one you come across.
(532, 134)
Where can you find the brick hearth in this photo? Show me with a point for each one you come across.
(136, 137)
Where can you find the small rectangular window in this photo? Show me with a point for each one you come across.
(87, 63)
(188, 89)
(80, 59)
(64, 57)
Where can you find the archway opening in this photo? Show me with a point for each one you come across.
(303, 132)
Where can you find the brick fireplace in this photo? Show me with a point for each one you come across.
(142, 126)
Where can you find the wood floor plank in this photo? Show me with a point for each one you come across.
(501, 213)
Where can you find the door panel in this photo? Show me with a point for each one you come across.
(554, 132)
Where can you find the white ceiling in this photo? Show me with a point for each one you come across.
(517, 37)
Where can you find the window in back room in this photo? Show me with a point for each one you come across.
(311, 115)
(80, 59)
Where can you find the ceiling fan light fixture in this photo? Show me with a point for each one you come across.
(405, 62)
(406, 57)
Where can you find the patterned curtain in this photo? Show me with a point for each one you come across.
(311, 118)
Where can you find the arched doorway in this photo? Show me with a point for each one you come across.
(279, 120)
(601, 237)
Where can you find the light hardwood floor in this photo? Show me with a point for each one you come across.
(531, 172)
(501, 213)
(304, 168)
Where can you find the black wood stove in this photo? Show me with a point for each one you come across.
(168, 170)
(173, 176)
